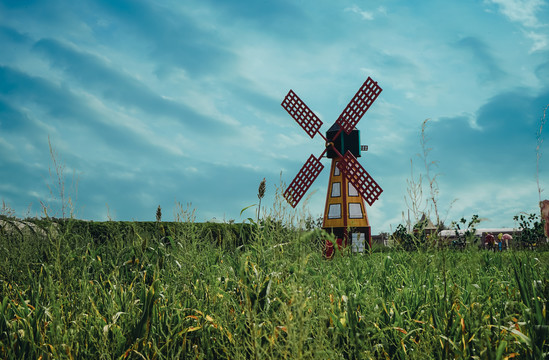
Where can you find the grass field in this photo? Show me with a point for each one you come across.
(192, 296)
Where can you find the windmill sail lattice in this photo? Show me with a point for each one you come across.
(302, 114)
(303, 181)
(359, 178)
(360, 103)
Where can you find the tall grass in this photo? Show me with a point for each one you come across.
(274, 297)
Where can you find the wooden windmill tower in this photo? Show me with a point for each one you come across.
(350, 186)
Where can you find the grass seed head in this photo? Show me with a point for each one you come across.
(159, 214)
(261, 190)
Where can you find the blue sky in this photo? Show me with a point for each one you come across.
(150, 103)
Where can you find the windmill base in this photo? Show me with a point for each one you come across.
(359, 239)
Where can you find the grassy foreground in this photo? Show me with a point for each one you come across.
(67, 295)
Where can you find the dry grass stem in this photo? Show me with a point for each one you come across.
(539, 142)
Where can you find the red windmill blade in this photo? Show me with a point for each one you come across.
(303, 180)
(359, 178)
(359, 104)
(301, 113)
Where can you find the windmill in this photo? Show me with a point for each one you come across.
(350, 186)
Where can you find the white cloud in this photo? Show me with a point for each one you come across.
(541, 41)
(293, 139)
(366, 15)
(521, 11)
(4, 143)
(497, 202)
(382, 10)
(525, 12)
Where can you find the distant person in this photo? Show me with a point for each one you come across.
(507, 238)
(500, 241)
(489, 241)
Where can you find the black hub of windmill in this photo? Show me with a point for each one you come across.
(342, 142)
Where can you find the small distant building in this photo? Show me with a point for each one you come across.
(426, 224)
(382, 239)
(479, 233)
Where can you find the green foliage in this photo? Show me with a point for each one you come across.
(534, 292)
(467, 238)
(176, 291)
(403, 238)
(532, 233)
(418, 239)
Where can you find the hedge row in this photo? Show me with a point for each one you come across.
(234, 234)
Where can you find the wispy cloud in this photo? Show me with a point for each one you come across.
(542, 72)
(113, 85)
(521, 11)
(540, 41)
(526, 13)
(366, 15)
